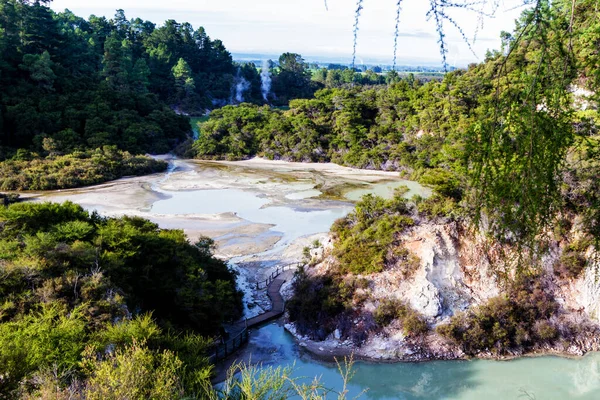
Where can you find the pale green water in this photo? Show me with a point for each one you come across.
(386, 190)
(527, 378)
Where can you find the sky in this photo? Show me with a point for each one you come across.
(311, 28)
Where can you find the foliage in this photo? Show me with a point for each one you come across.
(96, 82)
(365, 240)
(230, 132)
(75, 170)
(572, 260)
(389, 310)
(75, 295)
(518, 320)
(437, 206)
(317, 302)
(135, 372)
(293, 79)
(405, 126)
(264, 383)
(9, 198)
(43, 338)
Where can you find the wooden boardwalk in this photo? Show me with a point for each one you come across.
(239, 332)
(277, 304)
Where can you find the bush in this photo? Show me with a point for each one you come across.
(8, 198)
(515, 321)
(364, 238)
(135, 372)
(444, 182)
(318, 302)
(75, 170)
(437, 206)
(389, 310)
(71, 281)
(572, 261)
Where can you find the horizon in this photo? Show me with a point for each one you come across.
(313, 31)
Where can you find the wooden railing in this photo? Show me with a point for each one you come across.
(278, 271)
(225, 349)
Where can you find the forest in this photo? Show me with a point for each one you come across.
(68, 85)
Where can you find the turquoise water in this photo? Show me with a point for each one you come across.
(527, 378)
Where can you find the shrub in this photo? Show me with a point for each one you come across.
(444, 182)
(570, 265)
(318, 302)
(386, 312)
(365, 236)
(71, 280)
(389, 310)
(437, 206)
(135, 372)
(517, 320)
(572, 261)
(75, 170)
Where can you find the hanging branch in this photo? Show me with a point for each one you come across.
(438, 11)
(481, 14)
(439, 27)
(398, 9)
(359, 8)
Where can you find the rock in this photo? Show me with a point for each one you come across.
(337, 335)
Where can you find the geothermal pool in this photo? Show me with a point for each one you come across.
(539, 378)
(262, 213)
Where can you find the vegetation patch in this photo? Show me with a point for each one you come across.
(27, 172)
(514, 322)
(572, 261)
(366, 240)
(81, 294)
(411, 321)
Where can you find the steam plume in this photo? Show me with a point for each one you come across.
(265, 80)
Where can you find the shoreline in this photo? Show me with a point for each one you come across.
(317, 351)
